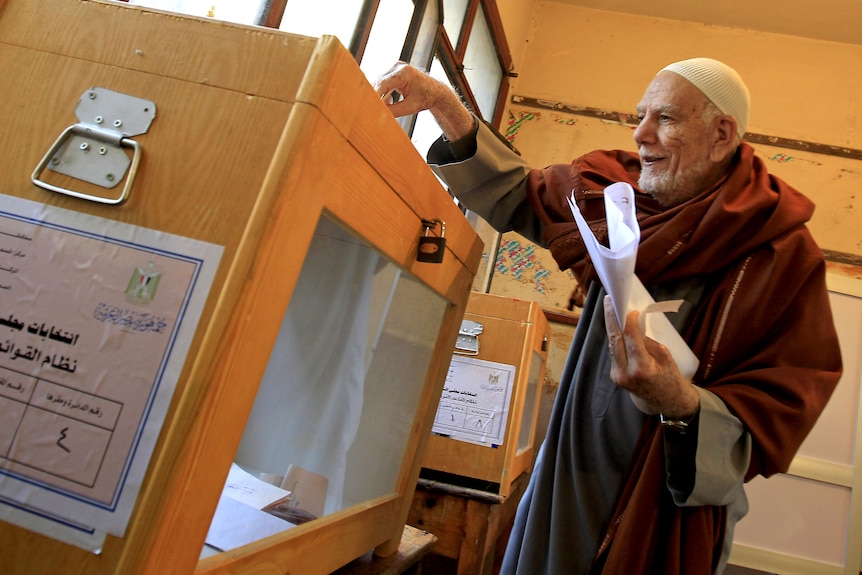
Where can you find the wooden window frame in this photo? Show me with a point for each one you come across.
(451, 56)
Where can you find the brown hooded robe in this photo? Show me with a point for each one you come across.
(763, 331)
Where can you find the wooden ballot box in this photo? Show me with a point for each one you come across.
(481, 451)
(486, 422)
(208, 241)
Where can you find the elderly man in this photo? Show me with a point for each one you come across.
(655, 485)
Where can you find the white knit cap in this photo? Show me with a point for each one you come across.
(720, 83)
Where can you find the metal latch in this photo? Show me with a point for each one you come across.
(92, 150)
(468, 337)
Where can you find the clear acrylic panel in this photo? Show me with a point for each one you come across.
(336, 405)
(525, 435)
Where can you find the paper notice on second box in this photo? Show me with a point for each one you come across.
(475, 401)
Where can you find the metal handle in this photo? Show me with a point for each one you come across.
(89, 131)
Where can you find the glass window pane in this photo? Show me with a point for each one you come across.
(318, 17)
(387, 36)
(240, 11)
(426, 130)
(482, 66)
(426, 39)
(453, 18)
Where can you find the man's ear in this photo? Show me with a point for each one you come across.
(724, 142)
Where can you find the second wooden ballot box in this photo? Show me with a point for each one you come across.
(485, 428)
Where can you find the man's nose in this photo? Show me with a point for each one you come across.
(644, 133)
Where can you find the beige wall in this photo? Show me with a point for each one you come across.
(517, 17)
(801, 89)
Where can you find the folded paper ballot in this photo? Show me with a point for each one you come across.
(242, 513)
(615, 266)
